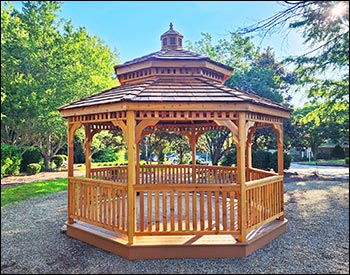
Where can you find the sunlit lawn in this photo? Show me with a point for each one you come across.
(11, 195)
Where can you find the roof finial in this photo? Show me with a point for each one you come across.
(171, 25)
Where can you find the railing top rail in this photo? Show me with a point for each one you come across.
(108, 168)
(262, 171)
(188, 187)
(264, 181)
(97, 181)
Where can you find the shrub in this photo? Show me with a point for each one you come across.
(10, 159)
(161, 156)
(58, 160)
(323, 155)
(32, 155)
(338, 152)
(33, 168)
(287, 159)
(198, 161)
(107, 155)
(261, 159)
(229, 158)
(347, 160)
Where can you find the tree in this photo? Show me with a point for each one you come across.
(217, 143)
(179, 143)
(256, 71)
(312, 134)
(324, 70)
(46, 65)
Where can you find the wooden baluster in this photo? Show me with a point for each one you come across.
(165, 212)
(142, 211)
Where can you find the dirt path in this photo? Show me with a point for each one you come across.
(42, 176)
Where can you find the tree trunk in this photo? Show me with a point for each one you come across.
(48, 154)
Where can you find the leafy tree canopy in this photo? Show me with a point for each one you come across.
(324, 70)
(45, 64)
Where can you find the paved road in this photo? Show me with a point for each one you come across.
(338, 171)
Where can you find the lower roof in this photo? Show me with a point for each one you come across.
(194, 90)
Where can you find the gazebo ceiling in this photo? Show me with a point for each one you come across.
(173, 75)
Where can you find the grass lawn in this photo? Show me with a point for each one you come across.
(11, 195)
(321, 161)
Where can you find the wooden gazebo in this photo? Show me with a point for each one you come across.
(175, 211)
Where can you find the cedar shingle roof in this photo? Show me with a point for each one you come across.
(163, 89)
(172, 55)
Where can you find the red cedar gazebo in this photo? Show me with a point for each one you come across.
(175, 211)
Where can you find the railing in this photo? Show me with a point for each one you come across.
(99, 203)
(264, 201)
(115, 173)
(187, 209)
(255, 174)
(183, 174)
(169, 174)
(169, 199)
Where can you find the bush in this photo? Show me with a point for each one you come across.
(33, 168)
(107, 155)
(347, 160)
(323, 155)
(58, 160)
(229, 158)
(161, 156)
(287, 159)
(32, 155)
(10, 159)
(338, 152)
(198, 161)
(261, 159)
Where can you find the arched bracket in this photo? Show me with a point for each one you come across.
(142, 125)
(231, 126)
(121, 124)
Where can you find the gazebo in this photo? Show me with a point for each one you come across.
(175, 211)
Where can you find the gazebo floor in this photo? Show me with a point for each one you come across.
(176, 246)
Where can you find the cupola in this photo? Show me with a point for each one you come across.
(171, 39)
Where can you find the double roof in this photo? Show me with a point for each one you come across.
(172, 76)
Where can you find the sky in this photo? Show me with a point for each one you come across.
(133, 28)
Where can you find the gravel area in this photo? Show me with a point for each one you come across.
(316, 240)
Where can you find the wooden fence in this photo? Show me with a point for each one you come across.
(168, 202)
(98, 202)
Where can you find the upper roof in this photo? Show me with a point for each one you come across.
(172, 90)
(183, 55)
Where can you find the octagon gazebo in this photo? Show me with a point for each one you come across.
(175, 211)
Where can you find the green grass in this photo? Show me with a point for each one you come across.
(313, 162)
(11, 195)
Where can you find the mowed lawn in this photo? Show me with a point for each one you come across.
(11, 195)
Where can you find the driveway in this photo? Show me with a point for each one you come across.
(327, 171)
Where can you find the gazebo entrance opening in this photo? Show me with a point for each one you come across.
(163, 211)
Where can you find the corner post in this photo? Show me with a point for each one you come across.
(280, 158)
(88, 140)
(131, 144)
(242, 137)
(72, 127)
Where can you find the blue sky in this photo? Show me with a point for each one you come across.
(134, 28)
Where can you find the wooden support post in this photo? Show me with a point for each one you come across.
(241, 169)
(88, 140)
(131, 144)
(72, 127)
(138, 162)
(280, 158)
(193, 147)
(249, 162)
